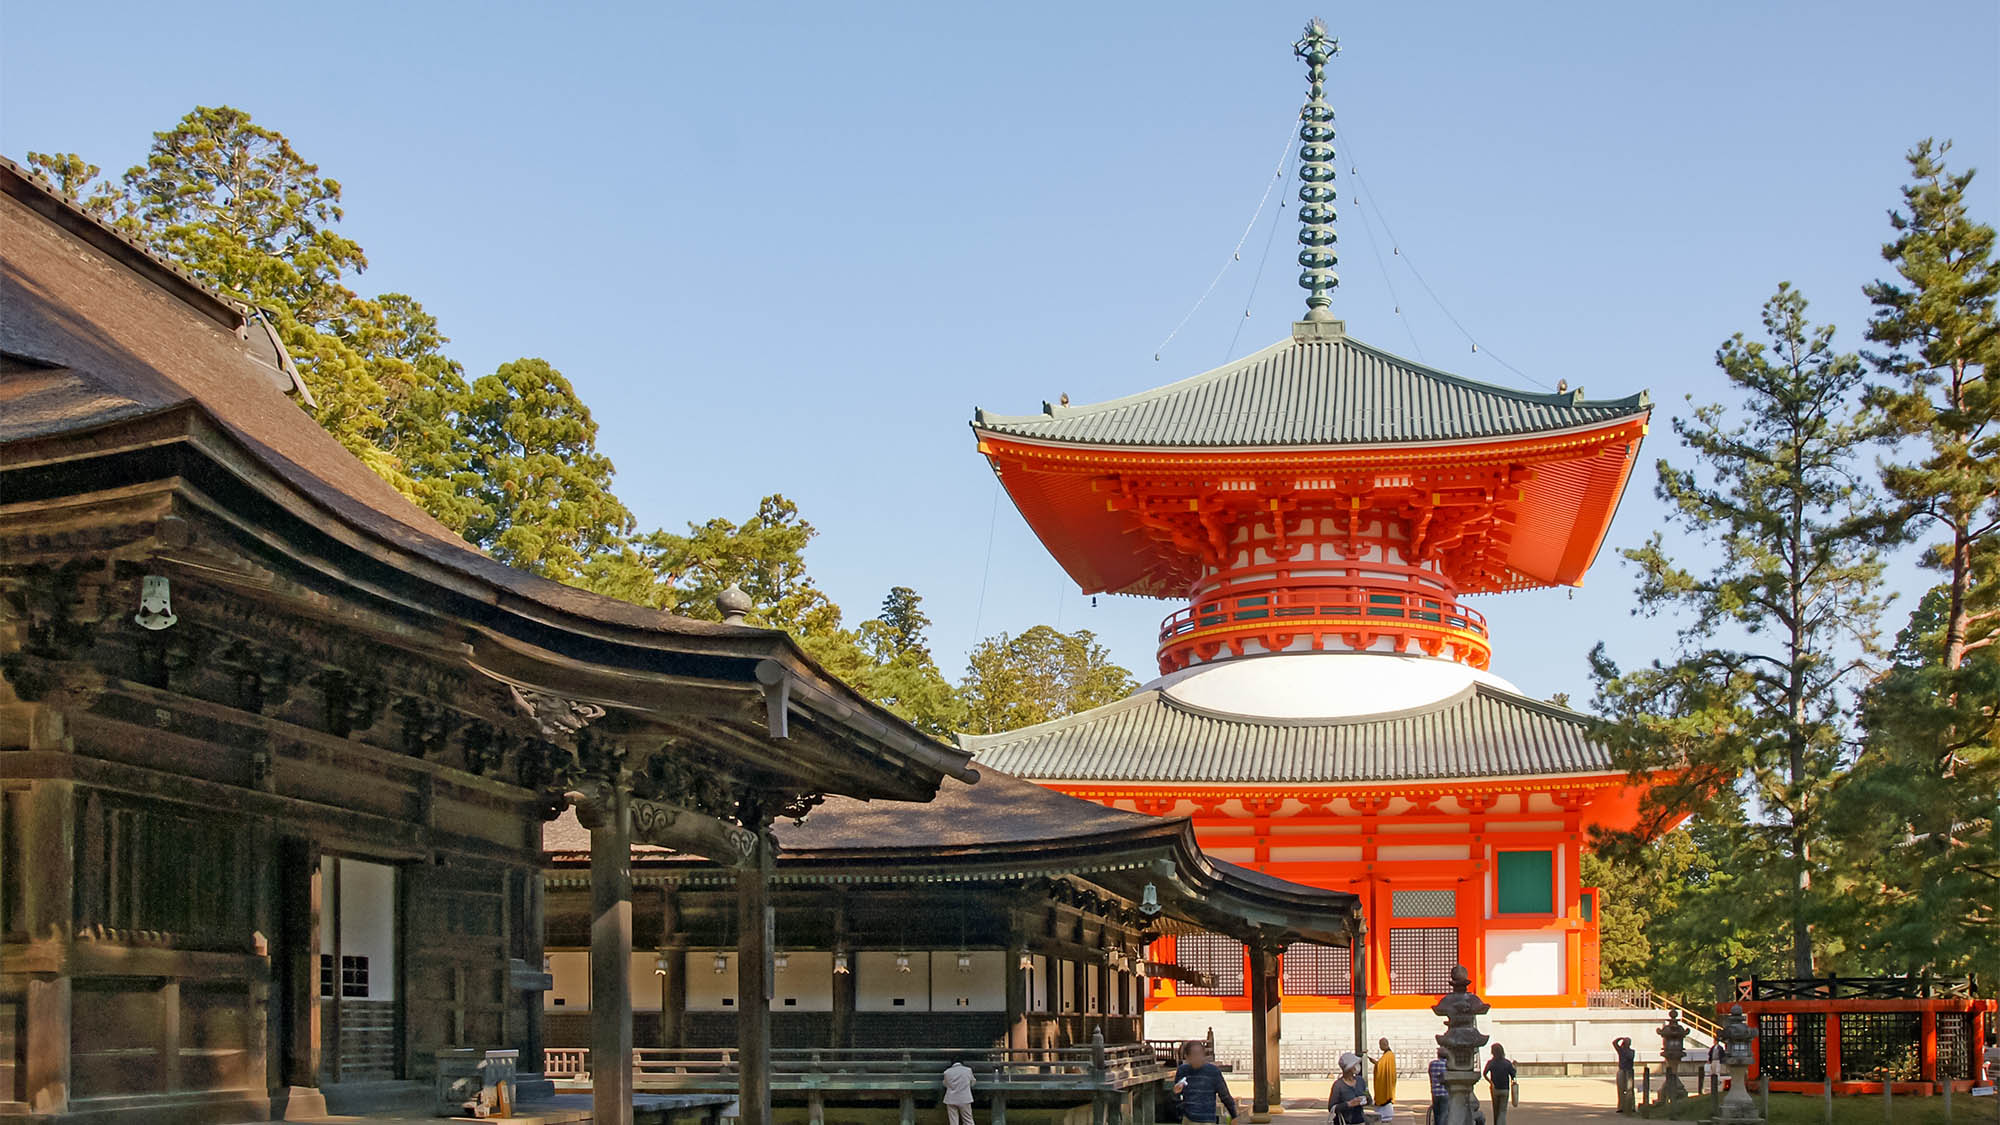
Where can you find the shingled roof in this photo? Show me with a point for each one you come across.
(1150, 738)
(1326, 391)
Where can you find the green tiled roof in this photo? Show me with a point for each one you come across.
(1148, 738)
(1325, 391)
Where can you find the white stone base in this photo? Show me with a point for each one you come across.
(1567, 1040)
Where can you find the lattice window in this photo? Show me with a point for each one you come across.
(1423, 904)
(354, 977)
(1872, 1043)
(1316, 970)
(1218, 956)
(1792, 1047)
(1421, 960)
(1954, 1045)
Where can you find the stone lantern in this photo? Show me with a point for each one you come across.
(1461, 1041)
(1673, 1048)
(1736, 1037)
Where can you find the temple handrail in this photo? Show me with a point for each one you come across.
(916, 1070)
(1357, 598)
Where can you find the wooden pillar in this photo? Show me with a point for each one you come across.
(329, 898)
(1357, 979)
(1262, 1042)
(673, 979)
(841, 1030)
(1833, 1047)
(611, 960)
(48, 872)
(535, 931)
(1274, 1012)
(753, 984)
(1017, 997)
(301, 893)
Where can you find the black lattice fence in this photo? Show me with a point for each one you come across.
(1877, 1043)
(1421, 960)
(1791, 1047)
(1218, 956)
(1316, 970)
(1955, 1046)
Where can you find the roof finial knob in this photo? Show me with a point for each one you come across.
(1316, 194)
(733, 603)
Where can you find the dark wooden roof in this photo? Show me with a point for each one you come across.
(1003, 827)
(118, 365)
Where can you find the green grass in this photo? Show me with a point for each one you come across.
(1804, 1109)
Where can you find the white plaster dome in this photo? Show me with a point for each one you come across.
(1321, 685)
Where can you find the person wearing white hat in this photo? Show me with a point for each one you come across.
(1349, 1094)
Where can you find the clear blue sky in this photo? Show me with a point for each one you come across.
(788, 248)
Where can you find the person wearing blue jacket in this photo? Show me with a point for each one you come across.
(1200, 1086)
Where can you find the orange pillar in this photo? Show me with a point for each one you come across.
(1471, 923)
(1928, 1036)
(1378, 938)
(1833, 1045)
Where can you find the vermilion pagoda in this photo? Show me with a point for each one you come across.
(1325, 708)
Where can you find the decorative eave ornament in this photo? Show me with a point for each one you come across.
(1316, 172)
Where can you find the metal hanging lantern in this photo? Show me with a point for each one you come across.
(156, 603)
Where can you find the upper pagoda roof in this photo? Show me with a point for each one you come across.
(1320, 388)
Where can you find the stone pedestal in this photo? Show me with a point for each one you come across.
(468, 1074)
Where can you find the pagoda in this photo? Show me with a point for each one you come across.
(1325, 511)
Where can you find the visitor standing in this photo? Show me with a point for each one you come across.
(1626, 1057)
(958, 1093)
(1385, 1081)
(1346, 1101)
(1500, 1076)
(1440, 1093)
(1200, 1086)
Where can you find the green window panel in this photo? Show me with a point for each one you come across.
(1527, 882)
(1589, 903)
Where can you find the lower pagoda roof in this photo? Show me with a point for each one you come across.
(1151, 738)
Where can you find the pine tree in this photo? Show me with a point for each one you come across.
(1756, 702)
(544, 490)
(1938, 323)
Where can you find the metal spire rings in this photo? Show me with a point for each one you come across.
(1316, 214)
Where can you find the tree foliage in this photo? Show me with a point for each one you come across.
(1038, 675)
(1778, 613)
(510, 459)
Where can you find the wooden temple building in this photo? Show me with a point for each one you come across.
(277, 748)
(1326, 711)
(1001, 920)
